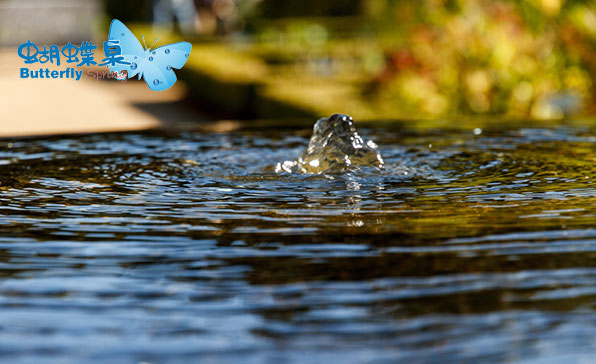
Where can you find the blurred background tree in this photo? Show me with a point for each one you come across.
(399, 58)
(518, 58)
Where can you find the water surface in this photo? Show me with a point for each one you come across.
(471, 246)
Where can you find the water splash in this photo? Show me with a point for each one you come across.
(335, 147)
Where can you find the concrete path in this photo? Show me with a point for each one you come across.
(34, 107)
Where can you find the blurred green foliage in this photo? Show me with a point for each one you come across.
(414, 59)
(309, 8)
(126, 11)
(527, 58)
(517, 58)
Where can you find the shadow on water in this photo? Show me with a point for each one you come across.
(471, 245)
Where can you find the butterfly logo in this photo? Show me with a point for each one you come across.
(155, 66)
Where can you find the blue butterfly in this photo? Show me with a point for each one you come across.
(154, 66)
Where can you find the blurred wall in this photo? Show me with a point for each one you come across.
(47, 21)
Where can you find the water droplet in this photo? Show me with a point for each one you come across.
(135, 57)
(151, 58)
(153, 52)
(133, 66)
(122, 34)
(156, 82)
(167, 51)
(186, 55)
(168, 68)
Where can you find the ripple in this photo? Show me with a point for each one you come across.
(163, 248)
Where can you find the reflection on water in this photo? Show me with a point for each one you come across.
(467, 247)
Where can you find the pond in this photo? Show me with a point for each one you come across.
(474, 244)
